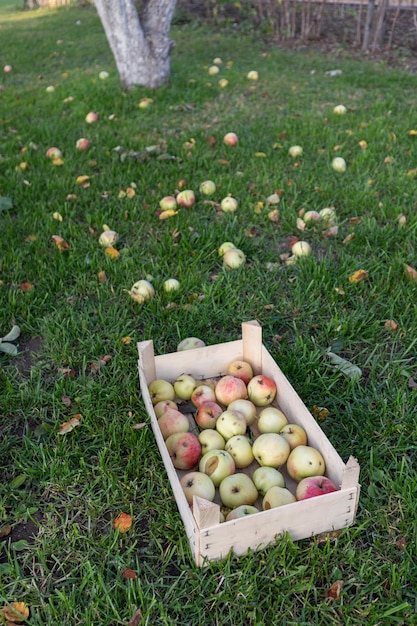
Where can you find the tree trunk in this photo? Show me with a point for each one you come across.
(140, 42)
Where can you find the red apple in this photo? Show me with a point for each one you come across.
(184, 450)
(230, 388)
(203, 393)
(168, 202)
(207, 414)
(173, 421)
(186, 198)
(231, 139)
(91, 117)
(314, 486)
(53, 153)
(261, 390)
(82, 144)
(240, 369)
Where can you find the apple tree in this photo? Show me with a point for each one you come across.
(138, 35)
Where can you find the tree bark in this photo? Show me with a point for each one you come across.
(139, 41)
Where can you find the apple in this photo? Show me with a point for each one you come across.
(142, 290)
(231, 423)
(189, 343)
(91, 117)
(171, 284)
(233, 259)
(184, 450)
(213, 70)
(230, 388)
(229, 204)
(203, 393)
(231, 139)
(314, 486)
(207, 187)
(168, 202)
(172, 421)
(236, 490)
(252, 75)
(108, 238)
(266, 477)
(82, 144)
(184, 386)
(271, 449)
(7, 69)
(218, 464)
(340, 109)
(240, 448)
(240, 369)
(295, 151)
(311, 216)
(339, 164)
(217, 61)
(223, 82)
(261, 390)
(327, 216)
(197, 484)
(305, 461)
(241, 511)
(144, 103)
(271, 420)
(160, 390)
(53, 153)
(227, 245)
(294, 434)
(301, 248)
(211, 440)
(277, 496)
(50, 89)
(103, 75)
(164, 405)
(207, 414)
(246, 407)
(186, 198)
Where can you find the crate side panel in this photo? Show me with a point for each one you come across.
(301, 520)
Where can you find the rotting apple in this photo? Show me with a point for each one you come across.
(339, 164)
(227, 245)
(108, 238)
(240, 448)
(340, 109)
(246, 407)
(168, 202)
(142, 290)
(160, 390)
(231, 139)
(305, 461)
(173, 421)
(211, 439)
(197, 484)
(230, 388)
(91, 117)
(184, 386)
(271, 420)
(213, 70)
(311, 216)
(271, 449)
(252, 75)
(203, 393)
(233, 259)
(186, 198)
(164, 405)
(217, 464)
(301, 248)
(231, 423)
(82, 144)
(265, 477)
(295, 151)
(229, 204)
(208, 187)
(313, 486)
(261, 390)
(241, 511)
(53, 153)
(171, 284)
(184, 450)
(236, 490)
(294, 434)
(207, 414)
(277, 496)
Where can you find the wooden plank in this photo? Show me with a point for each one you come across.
(252, 345)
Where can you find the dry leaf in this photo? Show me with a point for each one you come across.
(334, 592)
(112, 253)
(82, 180)
(331, 232)
(412, 384)
(100, 363)
(126, 340)
(139, 426)
(168, 213)
(320, 412)
(66, 400)
(67, 427)
(129, 574)
(61, 244)
(411, 273)
(348, 238)
(30, 237)
(57, 216)
(67, 372)
(273, 216)
(102, 276)
(123, 522)
(5, 530)
(355, 220)
(130, 192)
(357, 276)
(16, 612)
(26, 286)
(58, 161)
(391, 325)
(136, 619)
(300, 224)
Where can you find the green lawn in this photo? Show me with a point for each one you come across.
(59, 494)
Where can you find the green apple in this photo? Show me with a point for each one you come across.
(184, 386)
(217, 464)
(160, 390)
(231, 423)
(277, 496)
(271, 420)
(266, 477)
(197, 484)
(271, 449)
(240, 448)
(305, 461)
(210, 439)
(236, 490)
(241, 511)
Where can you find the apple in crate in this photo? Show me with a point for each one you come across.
(184, 386)
(217, 464)
(203, 393)
(230, 388)
(271, 420)
(197, 484)
(164, 405)
(266, 477)
(161, 390)
(211, 440)
(241, 511)
(305, 461)
(236, 490)
(262, 390)
(231, 423)
(207, 414)
(240, 369)
(173, 421)
(295, 435)
(277, 496)
(246, 407)
(190, 343)
(240, 448)
(271, 449)
(184, 450)
(313, 486)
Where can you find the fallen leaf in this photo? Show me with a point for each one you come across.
(58, 161)
(67, 427)
(334, 592)
(66, 400)
(129, 574)
(126, 340)
(100, 363)
(168, 213)
(273, 216)
(344, 366)
(61, 244)
(84, 181)
(411, 273)
(320, 412)
(112, 252)
(139, 426)
(130, 192)
(102, 276)
(16, 612)
(391, 325)
(355, 220)
(123, 522)
(348, 238)
(26, 286)
(412, 384)
(300, 224)
(136, 619)
(5, 530)
(57, 216)
(12, 335)
(67, 372)
(357, 276)
(30, 238)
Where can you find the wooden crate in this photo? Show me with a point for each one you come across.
(208, 538)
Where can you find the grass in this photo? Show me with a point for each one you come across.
(67, 490)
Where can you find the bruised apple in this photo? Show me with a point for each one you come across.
(184, 450)
(261, 390)
(231, 423)
(217, 464)
(313, 486)
(207, 414)
(164, 405)
(240, 369)
(197, 484)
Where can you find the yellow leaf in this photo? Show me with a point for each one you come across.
(168, 213)
(57, 216)
(102, 276)
(24, 165)
(58, 161)
(60, 243)
(260, 155)
(363, 144)
(67, 427)
(127, 340)
(412, 172)
(82, 179)
(391, 325)
(112, 253)
(412, 132)
(123, 522)
(16, 612)
(357, 276)
(411, 273)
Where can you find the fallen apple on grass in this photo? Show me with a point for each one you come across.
(227, 245)
(197, 484)
(231, 139)
(7, 69)
(142, 290)
(82, 144)
(53, 153)
(301, 248)
(313, 486)
(295, 151)
(184, 449)
(208, 187)
(91, 117)
(171, 284)
(252, 75)
(236, 490)
(108, 238)
(229, 204)
(168, 202)
(233, 259)
(186, 198)
(213, 70)
(339, 164)
(340, 109)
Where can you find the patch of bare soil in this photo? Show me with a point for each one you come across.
(28, 352)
